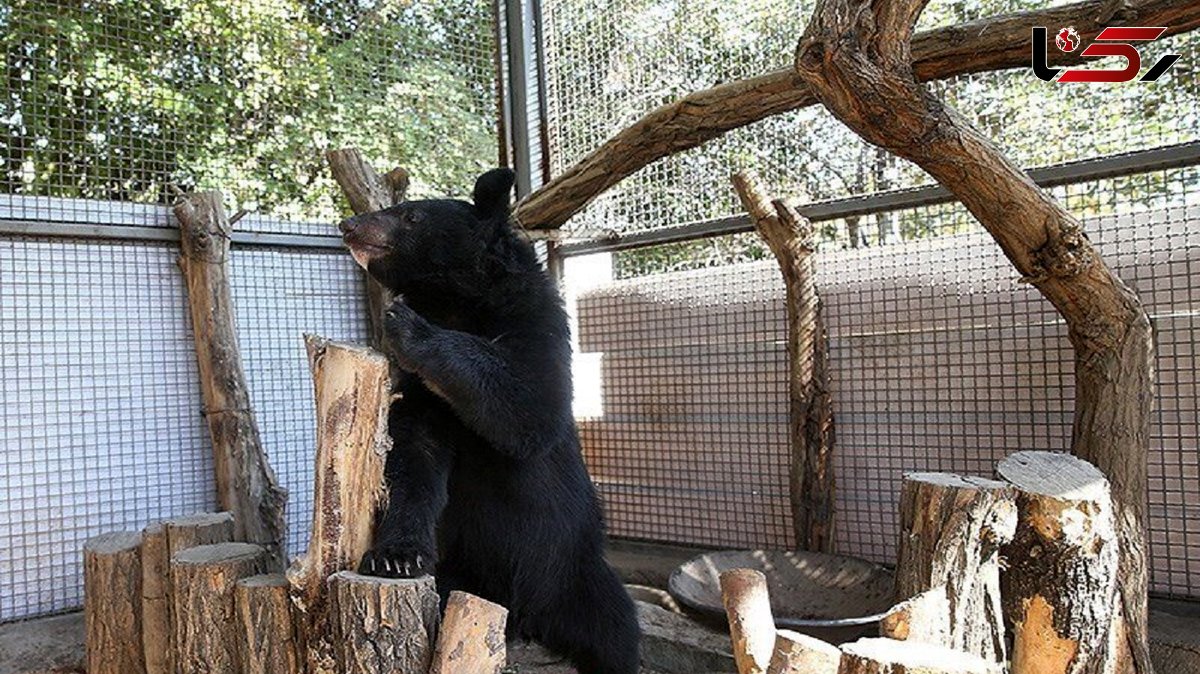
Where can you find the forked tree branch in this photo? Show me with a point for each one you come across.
(854, 59)
(995, 43)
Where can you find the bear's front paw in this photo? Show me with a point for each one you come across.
(396, 562)
(403, 328)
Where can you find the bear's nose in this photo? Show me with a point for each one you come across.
(348, 225)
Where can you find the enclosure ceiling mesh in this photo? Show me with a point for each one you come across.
(105, 115)
(608, 63)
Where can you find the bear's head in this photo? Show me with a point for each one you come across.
(444, 245)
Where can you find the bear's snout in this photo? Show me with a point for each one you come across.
(348, 225)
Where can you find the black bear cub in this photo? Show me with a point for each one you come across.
(485, 447)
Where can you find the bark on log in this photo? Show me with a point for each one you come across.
(887, 656)
(246, 485)
(367, 191)
(264, 608)
(203, 615)
(352, 397)
(995, 43)
(751, 625)
(811, 477)
(924, 618)
(858, 58)
(1061, 587)
(112, 589)
(951, 531)
(797, 653)
(384, 625)
(160, 542)
(471, 637)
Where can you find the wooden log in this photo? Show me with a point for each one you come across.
(751, 624)
(367, 191)
(264, 609)
(888, 656)
(246, 485)
(924, 618)
(1061, 588)
(471, 637)
(352, 397)
(160, 542)
(797, 653)
(810, 475)
(203, 612)
(951, 530)
(112, 615)
(384, 625)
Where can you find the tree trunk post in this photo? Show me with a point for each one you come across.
(858, 59)
(269, 641)
(797, 653)
(352, 397)
(160, 542)
(751, 624)
(367, 192)
(384, 625)
(112, 615)
(246, 485)
(471, 638)
(951, 531)
(811, 477)
(204, 616)
(1061, 590)
(887, 656)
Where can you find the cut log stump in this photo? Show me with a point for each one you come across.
(951, 530)
(160, 542)
(353, 394)
(203, 613)
(112, 590)
(751, 625)
(888, 656)
(264, 608)
(384, 625)
(797, 653)
(471, 637)
(1061, 592)
(924, 618)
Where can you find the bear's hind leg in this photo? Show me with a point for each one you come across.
(593, 623)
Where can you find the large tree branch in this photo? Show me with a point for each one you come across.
(996, 43)
(855, 57)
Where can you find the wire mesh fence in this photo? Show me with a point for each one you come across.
(107, 113)
(135, 101)
(941, 359)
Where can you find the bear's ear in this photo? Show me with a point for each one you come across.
(492, 190)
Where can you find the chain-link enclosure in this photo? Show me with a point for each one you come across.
(941, 357)
(109, 111)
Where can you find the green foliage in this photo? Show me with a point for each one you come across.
(130, 99)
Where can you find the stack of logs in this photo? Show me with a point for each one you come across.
(1027, 565)
(183, 597)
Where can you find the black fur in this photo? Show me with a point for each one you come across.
(485, 448)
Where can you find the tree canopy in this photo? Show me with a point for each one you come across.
(128, 99)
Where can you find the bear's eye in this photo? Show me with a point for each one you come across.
(412, 217)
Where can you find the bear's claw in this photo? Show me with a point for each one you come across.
(395, 563)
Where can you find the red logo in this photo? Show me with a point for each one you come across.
(1067, 39)
(1113, 41)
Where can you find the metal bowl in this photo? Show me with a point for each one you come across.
(830, 597)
